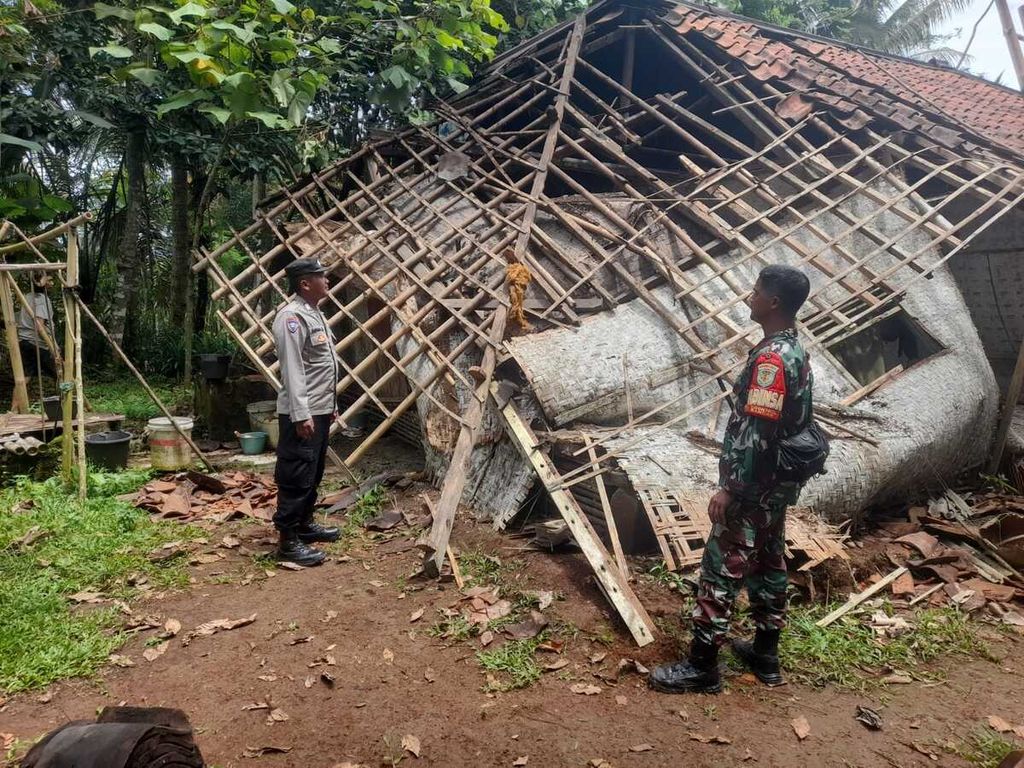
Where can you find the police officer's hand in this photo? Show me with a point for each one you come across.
(305, 429)
(719, 505)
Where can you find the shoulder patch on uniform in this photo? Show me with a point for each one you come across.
(292, 324)
(767, 391)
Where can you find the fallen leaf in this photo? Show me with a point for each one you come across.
(521, 761)
(327, 679)
(267, 678)
(543, 598)
(276, 715)
(716, 739)
(641, 748)
(310, 681)
(255, 706)
(621, 701)
(532, 627)
(268, 750)
(998, 724)
(597, 658)
(556, 665)
(215, 626)
(585, 690)
(869, 717)
(300, 640)
(230, 542)
(597, 762)
(7, 740)
(748, 755)
(289, 565)
(486, 638)
(898, 678)
(429, 675)
(205, 558)
(376, 583)
(329, 616)
(171, 628)
(683, 715)
(86, 597)
(120, 661)
(46, 698)
(154, 653)
(801, 727)
(411, 744)
(389, 656)
(631, 665)
(416, 615)
(925, 751)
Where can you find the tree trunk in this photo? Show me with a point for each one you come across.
(182, 273)
(129, 270)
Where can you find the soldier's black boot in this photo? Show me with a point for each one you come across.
(311, 532)
(761, 656)
(294, 550)
(698, 674)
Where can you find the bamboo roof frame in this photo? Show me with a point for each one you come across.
(419, 253)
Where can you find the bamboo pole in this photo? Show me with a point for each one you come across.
(76, 319)
(68, 452)
(19, 401)
(45, 237)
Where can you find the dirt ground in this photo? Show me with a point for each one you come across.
(393, 679)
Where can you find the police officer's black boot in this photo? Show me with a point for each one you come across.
(310, 532)
(761, 656)
(698, 674)
(294, 550)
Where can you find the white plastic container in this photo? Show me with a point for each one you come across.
(168, 450)
(263, 418)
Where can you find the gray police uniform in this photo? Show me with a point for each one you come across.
(309, 375)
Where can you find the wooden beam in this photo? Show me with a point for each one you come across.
(860, 597)
(1009, 404)
(611, 579)
(19, 400)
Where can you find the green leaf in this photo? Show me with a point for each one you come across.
(96, 120)
(159, 31)
(57, 204)
(307, 15)
(297, 109)
(243, 35)
(269, 119)
(397, 76)
(188, 9)
(6, 138)
(102, 11)
(187, 57)
(283, 7)
(220, 114)
(117, 51)
(330, 46)
(146, 75)
(239, 79)
(281, 88)
(448, 41)
(180, 101)
(456, 85)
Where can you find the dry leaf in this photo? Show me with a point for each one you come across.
(215, 626)
(998, 724)
(154, 653)
(641, 748)
(556, 665)
(86, 597)
(268, 750)
(924, 751)
(521, 761)
(597, 762)
(411, 744)
(230, 542)
(310, 681)
(389, 656)
(683, 715)
(486, 638)
(276, 716)
(709, 739)
(801, 727)
(7, 740)
(584, 689)
(120, 661)
(597, 658)
(376, 583)
(416, 615)
(255, 706)
(290, 566)
(429, 675)
(327, 678)
(171, 628)
(330, 615)
(46, 698)
(898, 678)
(300, 640)
(621, 701)
(267, 678)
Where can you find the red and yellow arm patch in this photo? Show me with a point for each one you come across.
(767, 390)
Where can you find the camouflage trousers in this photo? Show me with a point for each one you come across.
(748, 550)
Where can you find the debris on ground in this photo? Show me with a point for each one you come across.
(189, 496)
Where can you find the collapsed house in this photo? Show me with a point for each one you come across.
(548, 281)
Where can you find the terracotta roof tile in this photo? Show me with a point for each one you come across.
(947, 105)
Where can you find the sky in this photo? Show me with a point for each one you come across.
(989, 54)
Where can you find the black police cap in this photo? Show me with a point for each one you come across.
(301, 267)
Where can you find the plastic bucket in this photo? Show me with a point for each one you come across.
(263, 418)
(214, 367)
(108, 450)
(53, 408)
(168, 450)
(253, 442)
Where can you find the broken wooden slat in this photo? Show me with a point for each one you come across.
(860, 597)
(608, 575)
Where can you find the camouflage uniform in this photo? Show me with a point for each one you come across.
(772, 398)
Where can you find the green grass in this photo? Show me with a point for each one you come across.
(456, 628)
(983, 747)
(364, 510)
(91, 545)
(128, 397)
(839, 654)
(514, 663)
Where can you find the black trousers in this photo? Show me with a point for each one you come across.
(28, 360)
(300, 468)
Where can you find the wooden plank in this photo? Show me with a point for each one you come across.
(614, 584)
(609, 518)
(867, 389)
(1009, 403)
(19, 400)
(455, 478)
(860, 597)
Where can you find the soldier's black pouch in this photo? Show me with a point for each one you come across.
(803, 455)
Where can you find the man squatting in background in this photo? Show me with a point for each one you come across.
(306, 407)
(772, 401)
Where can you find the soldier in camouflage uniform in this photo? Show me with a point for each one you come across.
(771, 399)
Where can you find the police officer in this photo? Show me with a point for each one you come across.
(746, 546)
(306, 406)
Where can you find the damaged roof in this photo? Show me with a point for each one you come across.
(951, 107)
